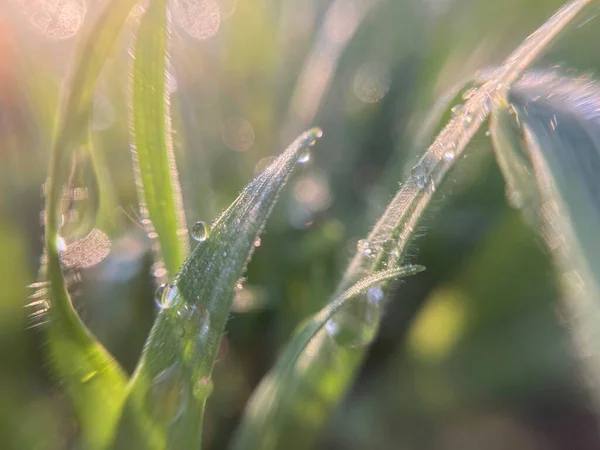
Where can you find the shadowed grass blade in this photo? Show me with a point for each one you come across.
(94, 380)
(165, 406)
(335, 353)
(558, 186)
(156, 171)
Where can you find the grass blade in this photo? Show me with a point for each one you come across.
(165, 406)
(282, 375)
(559, 189)
(305, 401)
(95, 382)
(158, 183)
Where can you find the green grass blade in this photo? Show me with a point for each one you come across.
(560, 138)
(165, 406)
(158, 183)
(333, 357)
(96, 383)
(264, 414)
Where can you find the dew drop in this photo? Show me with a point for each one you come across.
(449, 156)
(358, 325)
(365, 249)
(488, 133)
(239, 285)
(159, 293)
(166, 296)
(196, 328)
(467, 119)
(391, 247)
(201, 231)
(304, 157)
(257, 242)
(422, 178)
(167, 395)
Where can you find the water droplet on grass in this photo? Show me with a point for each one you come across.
(304, 157)
(166, 296)
(365, 249)
(357, 326)
(167, 395)
(201, 231)
(196, 326)
(467, 119)
(422, 178)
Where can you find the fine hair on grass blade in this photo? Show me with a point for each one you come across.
(165, 404)
(161, 204)
(296, 411)
(550, 157)
(95, 382)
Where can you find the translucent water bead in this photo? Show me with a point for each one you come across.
(166, 296)
(201, 231)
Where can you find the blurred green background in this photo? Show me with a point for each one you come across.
(474, 353)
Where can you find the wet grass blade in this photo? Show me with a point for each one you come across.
(282, 375)
(167, 395)
(156, 171)
(333, 356)
(95, 382)
(557, 184)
